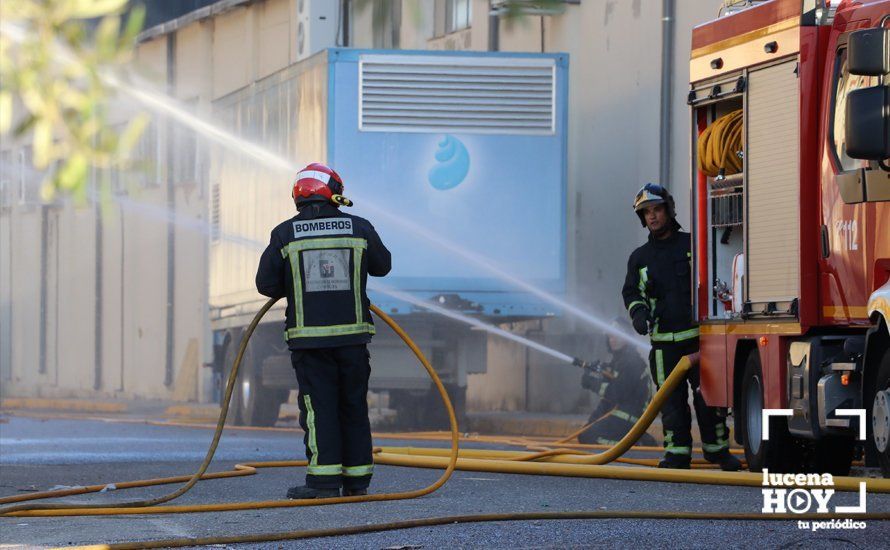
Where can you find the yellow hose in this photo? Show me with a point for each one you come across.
(452, 520)
(610, 454)
(545, 461)
(676, 377)
(719, 146)
(150, 506)
(568, 467)
(224, 409)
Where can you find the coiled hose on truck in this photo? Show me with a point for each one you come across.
(720, 146)
(492, 461)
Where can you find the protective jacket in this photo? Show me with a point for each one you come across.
(659, 278)
(320, 260)
(625, 387)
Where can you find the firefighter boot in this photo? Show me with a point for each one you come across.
(301, 492)
(671, 460)
(725, 460)
(354, 492)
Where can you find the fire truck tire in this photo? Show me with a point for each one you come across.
(879, 414)
(780, 453)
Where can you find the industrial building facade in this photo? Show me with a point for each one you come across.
(121, 306)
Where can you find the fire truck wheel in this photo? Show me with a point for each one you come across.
(879, 411)
(780, 453)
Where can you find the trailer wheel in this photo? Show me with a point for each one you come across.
(879, 411)
(258, 405)
(409, 406)
(437, 416)
(231, 351)
(780, 453)
(425, 411)
(252, 403)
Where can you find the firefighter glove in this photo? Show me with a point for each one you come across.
(641, 320)
(589, 379)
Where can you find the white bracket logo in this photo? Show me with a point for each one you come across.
(766, 414)
(799, 500)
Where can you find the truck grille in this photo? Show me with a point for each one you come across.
(472, 94)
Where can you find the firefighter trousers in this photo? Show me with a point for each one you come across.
(676, 417)
(333, 401)
(609, 429)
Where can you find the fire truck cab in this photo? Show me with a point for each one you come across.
(790, 107)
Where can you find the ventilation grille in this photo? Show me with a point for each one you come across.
(447, 94)
(214, 213)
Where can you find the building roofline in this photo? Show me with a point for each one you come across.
(206, 12)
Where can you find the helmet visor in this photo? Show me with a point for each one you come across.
(650, 194)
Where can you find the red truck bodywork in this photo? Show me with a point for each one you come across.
(833, 290)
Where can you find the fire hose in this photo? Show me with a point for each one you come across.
(720, 146)
(561, 462)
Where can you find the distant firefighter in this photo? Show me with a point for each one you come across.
(623, 387)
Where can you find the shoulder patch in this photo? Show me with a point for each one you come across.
(322, 227)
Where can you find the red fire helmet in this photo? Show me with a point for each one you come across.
(317, 179)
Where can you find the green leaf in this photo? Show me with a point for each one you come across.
(135, 21)
(5, 111)
(47, 191)
(43, 143)
(106, 37)
(88, 9)
(25, 125)
(131, 134)
(74, 172)
(19, 10)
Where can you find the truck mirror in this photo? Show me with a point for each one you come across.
(869, 52)
(867, 125)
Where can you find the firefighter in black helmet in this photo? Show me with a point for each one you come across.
(658, 295)
(623, 386)
(320, 260)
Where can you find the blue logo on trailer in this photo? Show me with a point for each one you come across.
(452, 164)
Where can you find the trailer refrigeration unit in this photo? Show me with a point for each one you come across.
(457, 158)
(792, 227)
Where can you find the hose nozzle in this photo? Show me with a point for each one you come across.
(594, 367)
(578, 362)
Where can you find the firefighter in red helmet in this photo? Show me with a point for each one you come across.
(658, 295)
(320, 261)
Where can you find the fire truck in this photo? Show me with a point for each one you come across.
(790, 111)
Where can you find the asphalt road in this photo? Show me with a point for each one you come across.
(37, 455)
